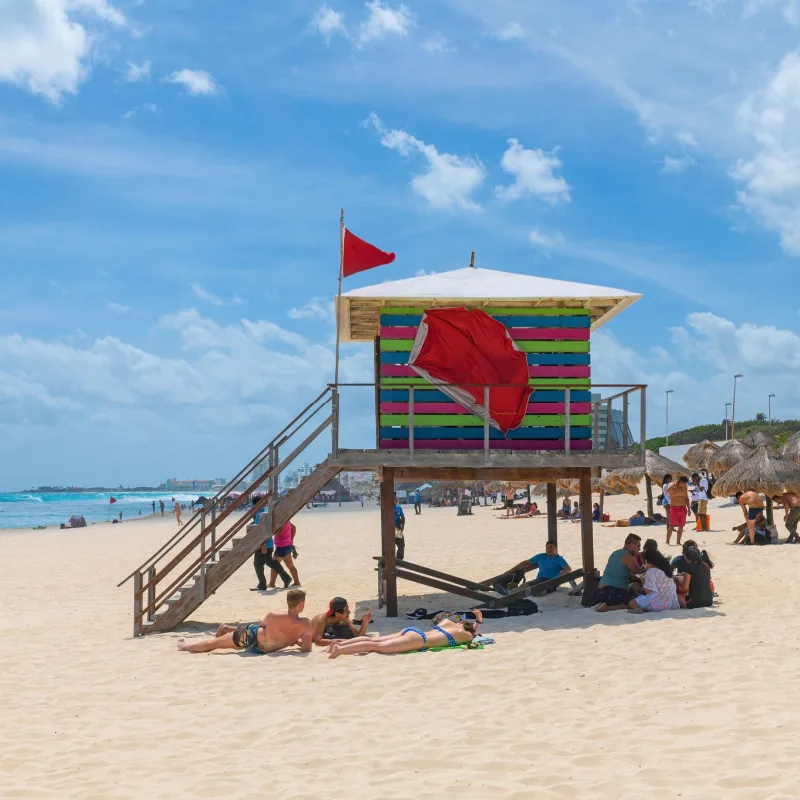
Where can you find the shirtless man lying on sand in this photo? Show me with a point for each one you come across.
(335, 624)
(275, 632)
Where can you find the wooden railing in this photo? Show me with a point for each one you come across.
(198, 544)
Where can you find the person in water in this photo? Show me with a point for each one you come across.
(410, 640)
(274, 632)
(335, 623)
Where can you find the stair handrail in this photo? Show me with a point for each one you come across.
(239, 524)
(191, 524)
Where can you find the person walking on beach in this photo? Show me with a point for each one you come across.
(275, 632)
(752, 506)
(178, 513)
(679, 506)
(161, 503)
(417, 503)
(399, 530)
(264, 556)
(284, 552)
(700, 500)
(665, 482)
(791, 517)
(154, 507)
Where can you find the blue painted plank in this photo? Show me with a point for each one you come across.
(435, 396)
(534, 359)
(404, 320)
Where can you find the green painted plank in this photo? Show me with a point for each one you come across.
(470, 421)
(528, 312)
(552, 383)
(405, 345)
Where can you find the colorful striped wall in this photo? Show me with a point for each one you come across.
(556, 344)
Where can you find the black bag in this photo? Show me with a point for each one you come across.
(522, 608)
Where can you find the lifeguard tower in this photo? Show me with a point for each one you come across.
(422, 432)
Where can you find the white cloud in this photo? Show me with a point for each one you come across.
(151, 107)
(789, 8)
(437, 44)
(45, 45)
(209, 297)
(677, 164)
(383, 20)
(129, 114)
(137, 73)
(687, 138)
(449, 180)
(195, 81)
(548, 241)
(118, 308)
(315, 308)
(328, 23)
(534, 172)
(771, 178)
(511, 31)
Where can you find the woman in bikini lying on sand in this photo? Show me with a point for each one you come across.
(410, 640)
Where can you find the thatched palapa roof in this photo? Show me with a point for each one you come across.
(697, 457)
(758, 437)
(791, 448)
(656, 466)
(540, 490)
(728, 456)
(763, 471)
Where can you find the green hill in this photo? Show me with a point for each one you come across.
(782, 429)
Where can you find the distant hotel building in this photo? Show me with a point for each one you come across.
(196, 484)
(615, 430)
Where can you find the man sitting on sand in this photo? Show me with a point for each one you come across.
(752, 505)
(613, 594)
(550, 564)
(791, 517)
(446, 634)
(335, 625)
(275, 632)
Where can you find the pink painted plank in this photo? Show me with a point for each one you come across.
(543, 334)
(559, 372)
(494, 444)
(404, 371)
(455, 408)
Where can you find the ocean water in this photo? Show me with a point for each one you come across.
(29, 510)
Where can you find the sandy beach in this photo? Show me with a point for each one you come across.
(568, 703)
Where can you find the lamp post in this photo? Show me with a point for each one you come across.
(668, 393)
(727, 406)
(769, 406)
(733, 409)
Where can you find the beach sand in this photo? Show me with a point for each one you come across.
(567, 703)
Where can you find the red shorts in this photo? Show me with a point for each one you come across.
(677, 516)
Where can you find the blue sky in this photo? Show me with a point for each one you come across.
(172, 174)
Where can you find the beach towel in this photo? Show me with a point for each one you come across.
(463, 350)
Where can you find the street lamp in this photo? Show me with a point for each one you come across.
(733, 410)
(727, 406)
(769, 404)
(669, 392)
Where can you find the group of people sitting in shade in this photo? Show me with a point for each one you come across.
(524, 511)
(334, 630)
(639, 580)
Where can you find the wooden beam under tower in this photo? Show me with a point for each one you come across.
(587, 533)
(387, 541)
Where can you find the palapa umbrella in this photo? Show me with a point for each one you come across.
(758, 437)
(791, 448)
(697, 456)
(654, 469)
(728, 456)
(764, 471)
(540, 490)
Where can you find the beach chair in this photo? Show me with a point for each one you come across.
(480, 591)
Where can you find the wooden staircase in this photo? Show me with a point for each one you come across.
(217, 540)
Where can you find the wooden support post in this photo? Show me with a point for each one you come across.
(411, 421)
(387, 541)
(377, 365)
(625, 442)
(567, 420)
(649, 487)
(335, 423)
(770, 517)
(552, 512)
(587, 532)
(643, 424)
(602, 503)
(151, 592)
(137, 603)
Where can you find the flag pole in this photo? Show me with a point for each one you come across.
(339, 297)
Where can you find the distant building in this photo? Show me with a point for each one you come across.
(259, 471)
(614, 429)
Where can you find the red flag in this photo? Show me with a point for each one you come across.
(112, 500)
(359, 256)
